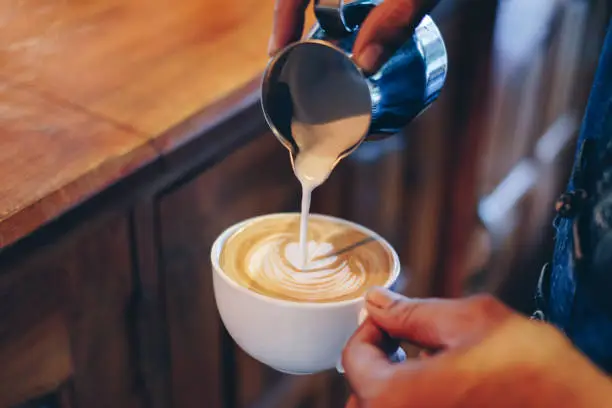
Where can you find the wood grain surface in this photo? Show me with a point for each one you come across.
(86, 87)
(53, 156)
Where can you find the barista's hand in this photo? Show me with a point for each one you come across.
(387, 27)
(486, 356)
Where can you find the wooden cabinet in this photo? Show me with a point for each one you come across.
(65, 326)
(252, 181)
(120, 312)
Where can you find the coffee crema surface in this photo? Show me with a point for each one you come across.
(343, 261)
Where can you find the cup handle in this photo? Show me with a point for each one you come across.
(397, 356)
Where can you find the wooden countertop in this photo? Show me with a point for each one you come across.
(87, 88)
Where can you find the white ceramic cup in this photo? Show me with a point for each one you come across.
(291, 337)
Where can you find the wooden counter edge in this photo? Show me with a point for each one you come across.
(30, 218)
(213, 131)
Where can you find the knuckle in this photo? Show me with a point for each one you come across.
(396, 306)
(489, 306)
(405, 312)
(391, 21)
(401, 10)
(399, 16)
(400, 315)
(485, 301)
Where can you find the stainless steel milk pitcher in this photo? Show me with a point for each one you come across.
(403, 88)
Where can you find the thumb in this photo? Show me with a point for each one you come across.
(435, 323)
(386, 28)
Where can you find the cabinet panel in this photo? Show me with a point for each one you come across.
(102, 329)
(64, 316)
(376, 172)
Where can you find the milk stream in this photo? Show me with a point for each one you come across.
(265, 257)
(322, 145)
(306, 194)
(331, 106)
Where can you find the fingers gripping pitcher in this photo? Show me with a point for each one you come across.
(408, 83)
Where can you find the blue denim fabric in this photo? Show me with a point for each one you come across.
(580, 291)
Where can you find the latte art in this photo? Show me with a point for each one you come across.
(275, 263)
(343, 262)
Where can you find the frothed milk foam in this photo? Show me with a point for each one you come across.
(344, 261)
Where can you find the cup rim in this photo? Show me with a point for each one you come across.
(217, 246)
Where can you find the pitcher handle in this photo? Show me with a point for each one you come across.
(330, 15)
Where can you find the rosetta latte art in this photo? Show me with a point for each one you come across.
(343, 262)
(274, 264)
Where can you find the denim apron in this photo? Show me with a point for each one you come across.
(575, 292)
